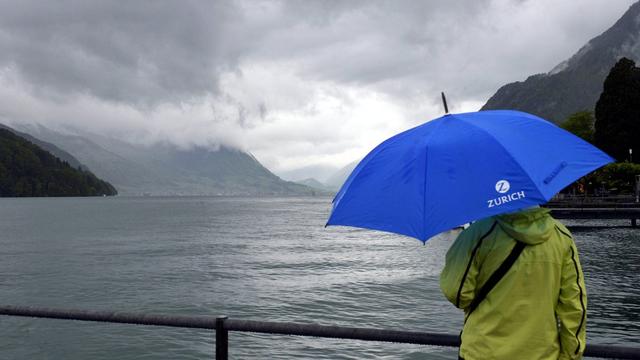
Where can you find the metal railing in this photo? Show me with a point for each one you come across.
(222, 325)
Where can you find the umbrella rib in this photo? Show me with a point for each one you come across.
(426, 165)
(424, 201)
(506, 152)
(345, 186)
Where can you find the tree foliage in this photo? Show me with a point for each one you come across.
(27, 170)
(617, 126)
(617, 178)
(581, 124)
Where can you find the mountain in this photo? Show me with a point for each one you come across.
(315, 184)
(28, 170)
(54, 150)
(318, 172)
(129, 177)
(228, 170)
(336, 180)
(574, 84)
(168, 170)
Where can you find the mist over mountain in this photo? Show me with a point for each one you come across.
(167, 170)
(338, 178)
(574, 84)
(319, 186)
(319, 172)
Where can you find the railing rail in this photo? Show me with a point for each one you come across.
(222, 325)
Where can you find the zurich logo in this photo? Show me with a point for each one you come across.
(502, 186)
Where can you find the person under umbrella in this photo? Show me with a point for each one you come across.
(538, 309)
(515, 273)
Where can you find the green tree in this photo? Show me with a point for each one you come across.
(617, 126)
(617, 177)
(581, 124)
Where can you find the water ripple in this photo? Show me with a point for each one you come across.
(264, 259)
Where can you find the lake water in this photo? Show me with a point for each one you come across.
(263, 259)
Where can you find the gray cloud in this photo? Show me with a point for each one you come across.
(299, 83)
(148, 52)
(133, 51)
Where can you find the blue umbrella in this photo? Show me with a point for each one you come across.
(460, 168)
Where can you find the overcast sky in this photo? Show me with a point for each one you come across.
(297, 83)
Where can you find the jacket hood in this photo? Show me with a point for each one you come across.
(530, 226)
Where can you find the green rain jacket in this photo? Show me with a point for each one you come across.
(538, 310)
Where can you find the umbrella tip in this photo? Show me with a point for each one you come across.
(444, 102)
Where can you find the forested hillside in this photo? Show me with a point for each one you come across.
(28, 170)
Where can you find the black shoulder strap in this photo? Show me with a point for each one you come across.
(496, 276)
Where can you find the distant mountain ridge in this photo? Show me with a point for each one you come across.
(574, 84)
(167, 170)
(315, 184)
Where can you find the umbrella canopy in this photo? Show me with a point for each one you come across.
(459, 168)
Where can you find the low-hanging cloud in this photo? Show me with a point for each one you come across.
(297, 83)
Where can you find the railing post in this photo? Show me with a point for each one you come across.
(222, 339)
(634, 221)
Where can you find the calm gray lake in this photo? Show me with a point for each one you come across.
(263, 259)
